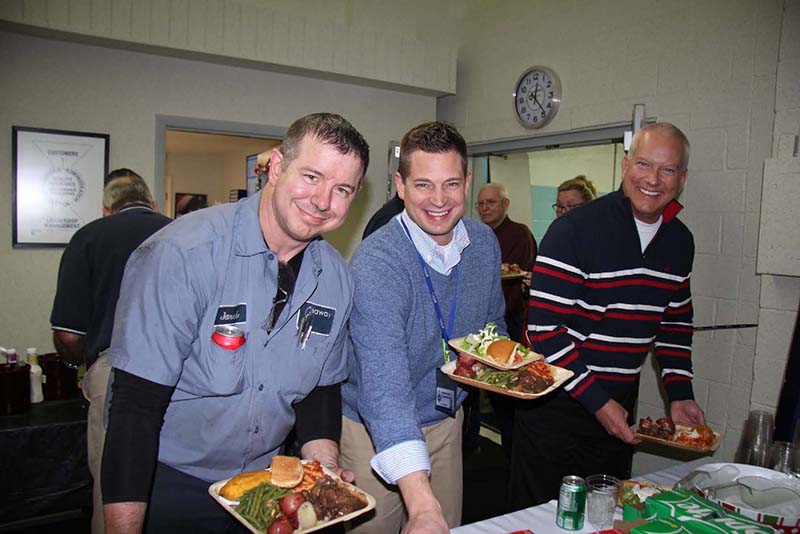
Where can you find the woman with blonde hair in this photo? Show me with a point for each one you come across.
(573, 193)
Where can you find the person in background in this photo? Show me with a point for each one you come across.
(89, 278)
(188, 408)
(611, 281)
(574, 193)
(517, 245)
(385, 214)
(427, 276)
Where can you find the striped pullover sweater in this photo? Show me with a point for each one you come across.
(598, 305)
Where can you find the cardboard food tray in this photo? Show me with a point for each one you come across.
(512, 276)
(230, 506)
(456, 345)
(560, 375)
(674, 444)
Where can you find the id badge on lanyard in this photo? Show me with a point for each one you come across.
(446, 389)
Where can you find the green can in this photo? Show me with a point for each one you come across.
(571, 503)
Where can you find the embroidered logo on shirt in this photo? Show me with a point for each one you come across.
(233, 314)
(321, 317)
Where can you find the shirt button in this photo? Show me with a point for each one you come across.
(261, 387)
(271, 256)
(257, 429)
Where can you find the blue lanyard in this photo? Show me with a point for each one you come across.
(444, 329)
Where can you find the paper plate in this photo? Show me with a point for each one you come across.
(230, 506)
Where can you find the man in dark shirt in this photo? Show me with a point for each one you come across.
(392, 207)
(89, 279)
(611, 284)
(518, 246)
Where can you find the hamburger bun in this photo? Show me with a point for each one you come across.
(502, 351)
(287, 471)
(238, 485)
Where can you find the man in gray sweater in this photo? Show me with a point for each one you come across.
(427, 276)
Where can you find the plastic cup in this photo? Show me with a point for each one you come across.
(601, 500)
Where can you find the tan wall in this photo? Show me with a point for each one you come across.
(69, 86)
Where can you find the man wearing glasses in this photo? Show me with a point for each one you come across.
(230, 330)
(610, 283)
(517, 245)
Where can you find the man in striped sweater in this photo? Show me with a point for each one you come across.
(611, 281)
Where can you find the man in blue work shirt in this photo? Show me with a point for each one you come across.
(256, 268)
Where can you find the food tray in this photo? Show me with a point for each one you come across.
(456, 344)
(512, 276)
(783, 516)
(674, 444)
(230, 506)
(560, 375)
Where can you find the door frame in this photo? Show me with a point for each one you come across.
(199, 125)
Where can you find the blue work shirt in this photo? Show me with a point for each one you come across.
(231, 410)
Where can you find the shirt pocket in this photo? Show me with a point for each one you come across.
(216, 372)
(298, 371)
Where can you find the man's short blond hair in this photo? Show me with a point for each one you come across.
(667, 129)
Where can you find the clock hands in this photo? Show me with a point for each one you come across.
(534, 93)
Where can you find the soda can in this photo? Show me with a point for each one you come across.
(228, 337)
(571, 503)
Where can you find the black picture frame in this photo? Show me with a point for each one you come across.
(189, 202)
(57, 184)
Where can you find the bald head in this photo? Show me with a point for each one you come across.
(493, 204)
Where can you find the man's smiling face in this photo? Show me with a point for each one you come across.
(435, 192)
(654, 175)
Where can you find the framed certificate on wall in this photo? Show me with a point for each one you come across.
(57, 184)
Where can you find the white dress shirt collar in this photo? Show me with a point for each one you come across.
(440, 258)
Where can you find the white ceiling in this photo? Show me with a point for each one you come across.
(178, 142)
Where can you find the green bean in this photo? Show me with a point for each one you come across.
(496, 378)
(259, 505)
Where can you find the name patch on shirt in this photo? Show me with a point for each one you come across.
(233, 314)
(321, 318)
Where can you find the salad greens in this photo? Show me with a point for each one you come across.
(478, 343)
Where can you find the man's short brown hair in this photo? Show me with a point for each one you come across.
(330, 129)
(432, 137)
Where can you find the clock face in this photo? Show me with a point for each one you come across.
(536, 97)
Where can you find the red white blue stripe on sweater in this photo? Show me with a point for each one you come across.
(598, 305)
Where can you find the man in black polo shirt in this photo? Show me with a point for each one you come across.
(89, 279)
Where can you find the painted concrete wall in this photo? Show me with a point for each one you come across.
(71, 86)
(377, 42)
(780, 295)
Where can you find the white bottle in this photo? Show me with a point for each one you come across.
(36, 376)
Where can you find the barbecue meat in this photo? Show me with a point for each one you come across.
(663, 428)
(528, 383)
(332, 499)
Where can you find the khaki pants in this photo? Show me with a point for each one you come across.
(95, 386)
(444, 447)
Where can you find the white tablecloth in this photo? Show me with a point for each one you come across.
(542, 519)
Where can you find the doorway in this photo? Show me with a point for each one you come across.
(207, 169)
(532, 168)
(177, 123)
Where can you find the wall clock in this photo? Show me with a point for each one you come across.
(537, 95)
